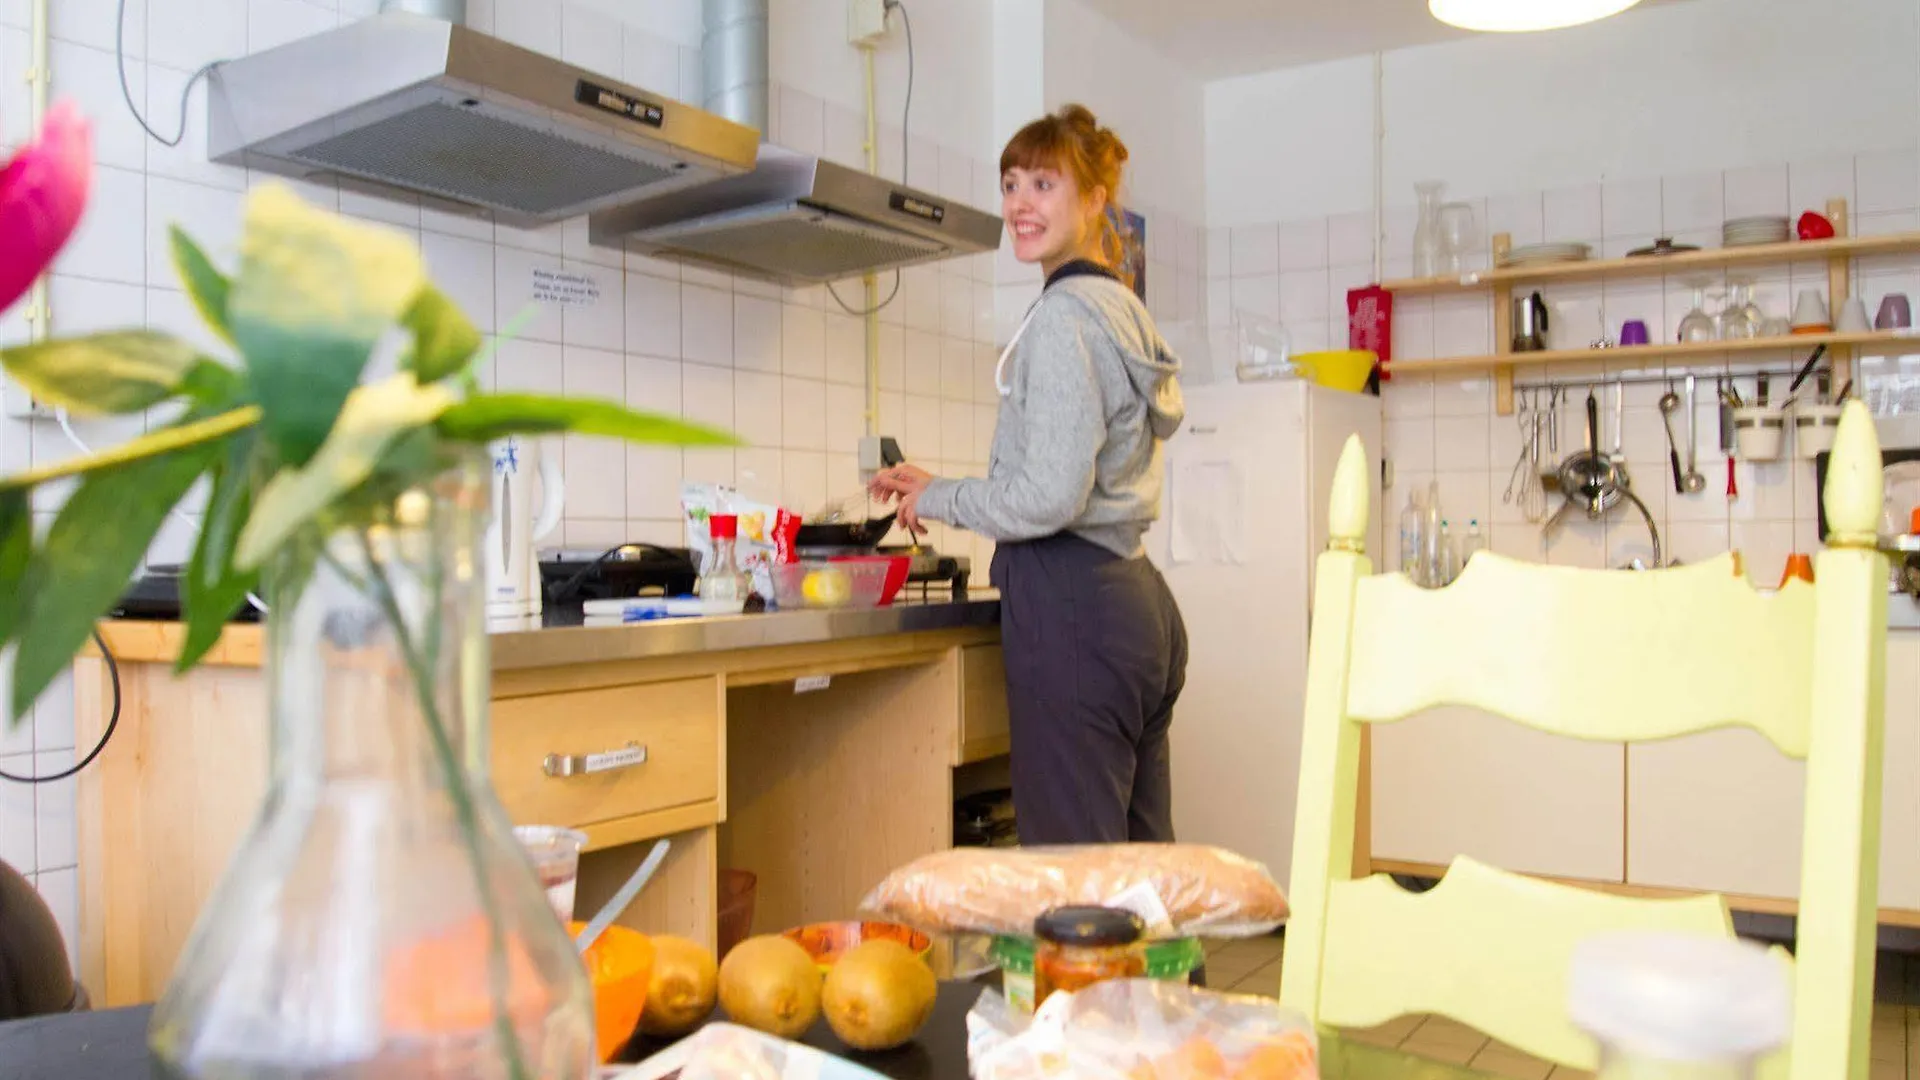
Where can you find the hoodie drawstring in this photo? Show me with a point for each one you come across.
(999, 370)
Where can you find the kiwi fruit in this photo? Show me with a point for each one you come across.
(682, 989)
(770, 984)
(878, 995)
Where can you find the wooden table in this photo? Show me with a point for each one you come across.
(113, 1046)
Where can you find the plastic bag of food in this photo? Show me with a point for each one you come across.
(1178, 890)
(767, 532)
(1140, 1029)
(722, 1051)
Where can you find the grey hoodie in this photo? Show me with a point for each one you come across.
(1086, 398)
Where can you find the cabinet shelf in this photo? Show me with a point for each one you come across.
(1655, 266)
(1874, 343)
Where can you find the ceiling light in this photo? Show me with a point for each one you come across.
(1512, 16)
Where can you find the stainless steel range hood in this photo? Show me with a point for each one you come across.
(431, 107)
(798, 220)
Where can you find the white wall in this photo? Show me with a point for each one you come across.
(784, 369)
(1668, 90)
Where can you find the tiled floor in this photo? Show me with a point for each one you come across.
(1252, 966)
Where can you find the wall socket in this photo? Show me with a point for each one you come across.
(866, 22)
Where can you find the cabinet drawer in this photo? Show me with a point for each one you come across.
(677, 723)
(983, 704)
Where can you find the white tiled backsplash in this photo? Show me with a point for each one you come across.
(785, 369)
(1443, 427)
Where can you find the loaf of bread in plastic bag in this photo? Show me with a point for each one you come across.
(1196, 889)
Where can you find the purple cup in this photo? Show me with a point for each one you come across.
(1895, 313)
(1634, 332)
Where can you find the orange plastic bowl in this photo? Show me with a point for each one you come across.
(620, 964)
(826, 942)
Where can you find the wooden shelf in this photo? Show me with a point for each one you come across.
(1874, 343)
(1653, 266)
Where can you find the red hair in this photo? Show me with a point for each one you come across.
(1072, 141)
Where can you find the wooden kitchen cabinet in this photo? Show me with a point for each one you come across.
(1723, 811)
(1459, 781)
(984, 725)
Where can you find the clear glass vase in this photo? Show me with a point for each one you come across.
(380, 920)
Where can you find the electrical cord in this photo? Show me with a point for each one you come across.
(126, 93)
(113, 722)
(906, 149)
(906, 112)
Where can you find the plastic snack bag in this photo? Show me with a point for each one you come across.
(722, 1051)
(1140, 1029)
(1178, 890)
(767, 532)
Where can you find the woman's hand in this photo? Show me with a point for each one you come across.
(903, 483)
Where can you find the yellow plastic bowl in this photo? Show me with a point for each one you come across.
(1339, 369)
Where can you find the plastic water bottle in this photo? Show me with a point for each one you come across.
(1667, 1006)
(1413, 523)
(1473, 543)
(1432, 565)
(1448, 564)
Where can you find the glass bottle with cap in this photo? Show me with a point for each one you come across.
(1076, 947)
(722, 578)
(1667, 1006)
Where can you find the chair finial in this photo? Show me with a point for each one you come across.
(1347, 508)
(1855, 485)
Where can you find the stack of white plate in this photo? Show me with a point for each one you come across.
(1766, 229)
(1534, 254)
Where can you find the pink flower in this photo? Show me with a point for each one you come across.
(42, 193)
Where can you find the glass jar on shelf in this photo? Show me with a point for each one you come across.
(1428, 244)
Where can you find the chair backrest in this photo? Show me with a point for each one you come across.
(1601, 655)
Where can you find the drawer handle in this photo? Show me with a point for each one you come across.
(565, 765)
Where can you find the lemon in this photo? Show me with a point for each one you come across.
(826, 588)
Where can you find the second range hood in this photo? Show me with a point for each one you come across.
(798, 220)
(432, 107)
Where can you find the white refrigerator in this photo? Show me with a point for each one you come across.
(1244, 515)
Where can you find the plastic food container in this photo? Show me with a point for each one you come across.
(826, 942)
(1169, 960)
(852, 585)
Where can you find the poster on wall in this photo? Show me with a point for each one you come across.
(1133, 249)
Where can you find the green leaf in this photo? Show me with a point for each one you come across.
(214, 384)
(314, 295)
(150, 445)
(206, 285)
(119, 372)
(213, 589)
(443, 338)
(90, 552)
(486, 417)
(373, 417)
(16, 544)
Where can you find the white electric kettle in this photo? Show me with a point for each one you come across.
(513, 569)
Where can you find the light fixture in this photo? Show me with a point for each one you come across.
(1516, 16)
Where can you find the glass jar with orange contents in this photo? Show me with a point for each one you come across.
(1079, 946)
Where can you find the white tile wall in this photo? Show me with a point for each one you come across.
(1443, 427)
(785, 368)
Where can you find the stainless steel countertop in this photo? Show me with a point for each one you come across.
(558, 644)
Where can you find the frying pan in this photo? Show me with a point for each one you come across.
(845, 534)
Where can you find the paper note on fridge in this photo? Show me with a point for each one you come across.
(1208, 511)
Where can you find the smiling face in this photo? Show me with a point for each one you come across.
(1050, 220)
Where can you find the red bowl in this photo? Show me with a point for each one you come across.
(897, 568)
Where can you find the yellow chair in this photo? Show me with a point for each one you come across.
(1700, 650)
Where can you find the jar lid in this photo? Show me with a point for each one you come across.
(723, 526)
(1089, 926)
(1680, 997)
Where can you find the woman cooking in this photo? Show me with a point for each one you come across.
(1096, 653)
